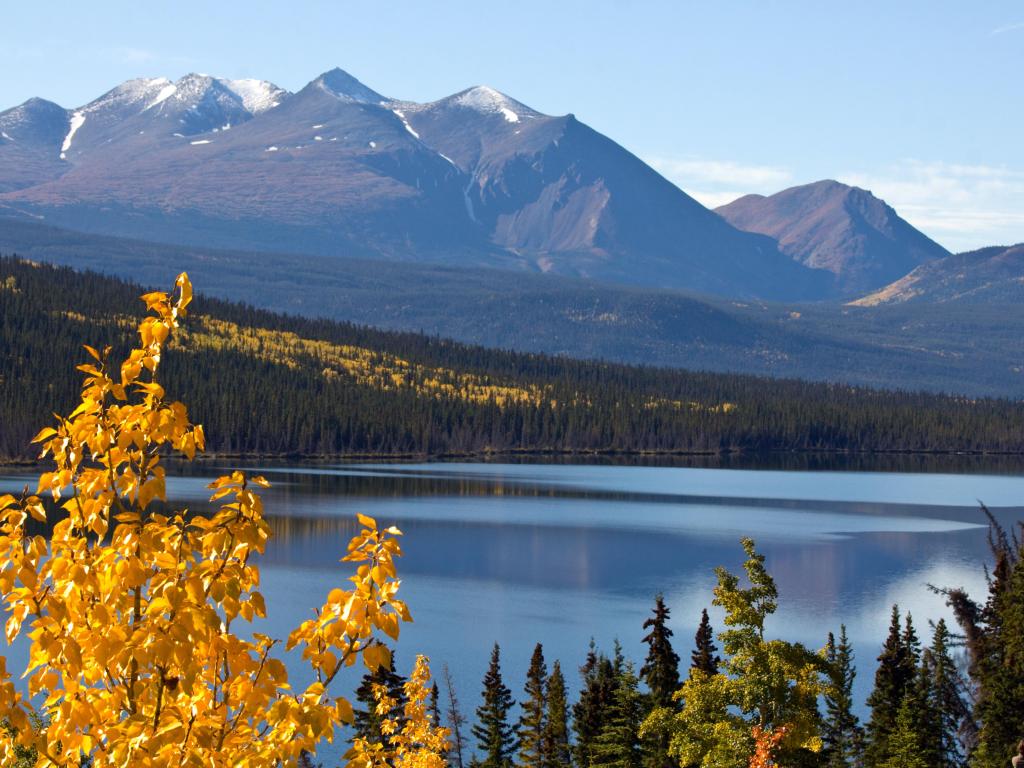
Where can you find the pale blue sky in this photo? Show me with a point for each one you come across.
(921, 102)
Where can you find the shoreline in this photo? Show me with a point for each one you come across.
(569, 453)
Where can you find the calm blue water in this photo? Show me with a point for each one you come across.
(558, 554)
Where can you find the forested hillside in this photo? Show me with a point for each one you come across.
(273, 384)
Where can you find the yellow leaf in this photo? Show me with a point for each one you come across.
(43, 434)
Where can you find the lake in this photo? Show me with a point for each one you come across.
(561, 553)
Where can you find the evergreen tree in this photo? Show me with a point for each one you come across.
(705, 655)
(557, 752)
(618, 742)
(903, 744)
(948, 702)
(533, 720)
(456, 721)
(435, 715)
(842, 734)
(920, 700)
(911, 647)
(994, 638)
(496, 737)
(892, 677)
(367, 720)
(590, 711)
(661, 669)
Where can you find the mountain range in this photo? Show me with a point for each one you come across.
(476, 179)
(478, 217)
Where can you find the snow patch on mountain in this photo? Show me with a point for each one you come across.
(257, 95)
(77, 120)
(401, 116)
(140, 90)
(165, 93)
(488, 101)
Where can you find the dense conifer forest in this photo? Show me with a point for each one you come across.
(949, 696)
(264, 383)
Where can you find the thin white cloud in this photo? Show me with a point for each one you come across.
(717, 182)
(961, 206)
(1007, 28)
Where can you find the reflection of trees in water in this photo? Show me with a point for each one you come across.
(779, 460)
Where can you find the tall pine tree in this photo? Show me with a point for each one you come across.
(661, 674)
(590, 710)
(533, 719)
(496, 737)
(842, 736)
(618, 742)
(705, 654)
(948, 700)
(661, 668)
(456, 722)
(994, 635)
(892, 677)
(557, 752)
(904, 746)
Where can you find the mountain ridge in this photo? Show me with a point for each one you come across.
(473, 179)
(990, 275)
(839, 228)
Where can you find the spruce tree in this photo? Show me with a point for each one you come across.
(435, 714)
(920, 700)
(948, 701)
(456, 721)
(661, 669)
(994, 637)
(618, 742)
(904, 745)
(590, 711)
(842, 736)
(892, 677)
(367, 720)
(533, 719)
(496, 737)
(556, 727)
(705, 655)
(911, 647)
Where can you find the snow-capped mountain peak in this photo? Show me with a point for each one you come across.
(342, 85)
(139, 92)
(483, 98)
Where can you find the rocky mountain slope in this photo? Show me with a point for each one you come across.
(843, 230)
(988, 276)
(475, 179)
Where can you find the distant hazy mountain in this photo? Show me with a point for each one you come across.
(987, 276)
(475, 179)
(845, 230)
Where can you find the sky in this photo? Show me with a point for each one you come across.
(920, 102)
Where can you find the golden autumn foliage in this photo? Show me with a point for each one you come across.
(376, 369)
(416, 742)
(136, 617)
